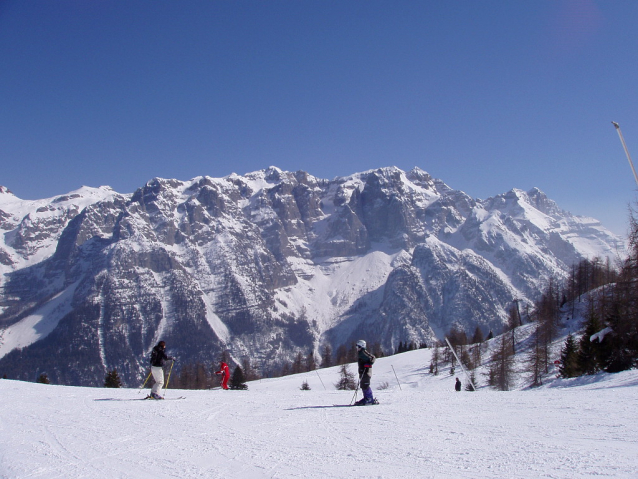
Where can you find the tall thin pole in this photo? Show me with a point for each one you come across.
(169, 377)
(461, 364)
(324, 386)
(624, 145)
(395, 375)
(142, 386)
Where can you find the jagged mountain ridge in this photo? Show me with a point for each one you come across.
(267, 264)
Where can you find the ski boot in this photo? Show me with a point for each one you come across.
(366, 402)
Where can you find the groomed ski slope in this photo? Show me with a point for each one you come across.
(578, 428)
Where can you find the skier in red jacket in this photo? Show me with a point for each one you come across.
(225, 372)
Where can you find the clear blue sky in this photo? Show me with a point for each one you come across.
(485, 95)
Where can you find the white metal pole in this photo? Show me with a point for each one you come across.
(624, 145)
(460, 363)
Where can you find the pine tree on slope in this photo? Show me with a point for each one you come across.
(112, 380)
(237, 380)
(569, 359)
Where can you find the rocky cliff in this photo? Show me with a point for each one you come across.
(266, 265)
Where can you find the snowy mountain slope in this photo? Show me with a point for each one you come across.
(269, 264)
(569, 429)
(32, 227)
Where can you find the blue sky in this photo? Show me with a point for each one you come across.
(485, 95)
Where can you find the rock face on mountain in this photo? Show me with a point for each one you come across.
(267, 265)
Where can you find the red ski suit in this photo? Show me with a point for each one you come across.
(225, 372)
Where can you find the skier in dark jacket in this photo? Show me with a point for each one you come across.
(158, 359)
(457, 386)
(366, 360)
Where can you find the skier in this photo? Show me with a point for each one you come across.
(158, 359)
(225, 372)
(366, 360)
(457, 386)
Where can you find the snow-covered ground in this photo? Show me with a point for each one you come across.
(578, 428)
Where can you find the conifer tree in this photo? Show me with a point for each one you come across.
(43, 379)
(237, 380)
(468, 386)
(569, 359)
(588, 354)
(112, 380)
(478, 336)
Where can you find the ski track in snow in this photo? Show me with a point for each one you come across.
(570, 429)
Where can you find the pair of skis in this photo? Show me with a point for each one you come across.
(163, 399)
(165, 387)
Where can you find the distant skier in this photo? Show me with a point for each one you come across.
(225, 372)
(366, 360)
(457, 386)
(158, 359)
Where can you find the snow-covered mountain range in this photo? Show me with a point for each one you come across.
(266, 265)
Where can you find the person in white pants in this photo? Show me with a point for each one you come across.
(158, 359)
(158, 376)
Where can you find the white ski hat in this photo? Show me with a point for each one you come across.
(361, 344)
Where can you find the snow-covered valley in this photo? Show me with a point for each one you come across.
(576, 428)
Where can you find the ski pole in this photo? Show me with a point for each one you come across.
(169, 377)
(395, 375)
(142, 386)
(357, 390)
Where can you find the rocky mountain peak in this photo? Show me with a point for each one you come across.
(267, 264)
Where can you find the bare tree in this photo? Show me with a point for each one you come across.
(502, 367)
(434, 362)
(347, 379)
(342, 354)
(535, 360)
(311, 362)
(326, 356)
(298, 365)
(250, 373)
